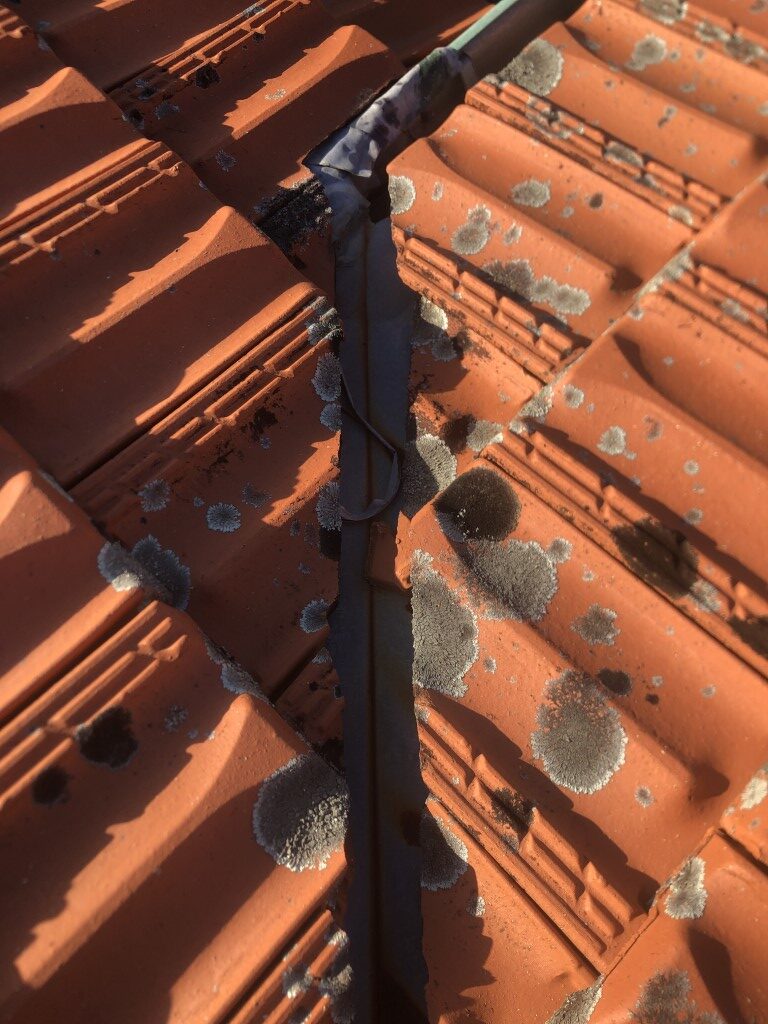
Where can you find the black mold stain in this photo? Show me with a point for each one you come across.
(481, 505)
(330, 544)
(615, 681)
(753, 631)
(511, 810)
(659, 556)
(652, 698)
(596, 201)
(206, 76)
(262, 420)
(108, 739)
(304, 212)
(50, 786)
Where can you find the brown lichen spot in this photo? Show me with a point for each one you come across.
(479, 505)
(444, 856)
(659, 556)
(578, 1006)
(108, 739)
(580, 739)
(444, 634)
(50, 786)
(686, 896)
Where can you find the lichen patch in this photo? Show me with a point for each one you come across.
(428, 467)
(444, 857)
(578, 1006)
(647, 51)
(300, 813)
(597, 626)
(686, 896)
(478, 505)
(538, 68)
(531, 192)
(518, 576)
(402, 193)
(580, 739)
(327, 378)
(472, 237)
(444, 634)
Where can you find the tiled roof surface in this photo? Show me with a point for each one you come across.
(582, 525)
(583, 531)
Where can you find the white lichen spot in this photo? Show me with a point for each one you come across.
(681, 213)
(536, 409)
(532, 192)
(473, 235)
(314, 616)
(560, 550)
(328, 508)
(296, 982)
(735, 310)
(668, 12)
(686, 896)
(223, 518)
(175, 718)
(579, 1006)
(705, 596)
(428, 467)
(755, 791)
(613, 441)
(402, 193)
(327, 378)
(437, 191)
(693, 516)
(300, 813)
(580, 739)
(148, 565)
(649, 50)
(644, 796)
(225, 160)
(597, 627)
(512, 235)
(476, 906)
(484, 433)
(538, 68)
(155, 495)
(233, 677)
(619, 153)
(573, 396)
(691, 467)
(708, 691)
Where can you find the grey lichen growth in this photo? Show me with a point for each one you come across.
(693, 516)
(223, 518)
(331, 417)
(253, 497)
(665, 999)
(644, 796)
(668, 12)
(473, 235)
(619, 153)
(735, 310)
(233, 676)
(579, 1006)
(613, 441)
(155, 495)
(519, 577)
(476, 906)
(580, 739)
(296, 982)
(691, 467)
(573, 396)
(535, 410)
(444, 856)
(314, 616)
(444, 634)
(597, 626)
(431, 328)
(338, 988)
(517, 276)
(484, 433)
(428, 467)
(681, 213)
(686, 896)
(648, 50)
(328, 508)
(531, 192)
(300, 813)
(148, 565)
(402, 193)
(704, 596)
(560, 550)
(755, 791)
(538, 68)
(512, 235)
(327, 378)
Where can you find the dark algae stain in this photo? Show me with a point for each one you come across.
(50, 786)
(108, 739)
(480, 505)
